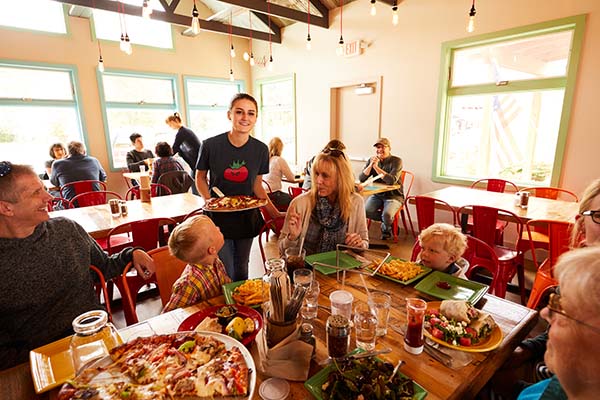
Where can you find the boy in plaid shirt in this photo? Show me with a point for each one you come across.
(197, 241)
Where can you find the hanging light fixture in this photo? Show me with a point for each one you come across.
(373, 8)
(125, 44)
(146, 9)
(100, 60)
(100, 64)
(308, 43)
(340, 48)
(471, 23)
(251, 52)
(232, 50)
(270, 66)
(395, 13)
(195, 21)
(231, 77)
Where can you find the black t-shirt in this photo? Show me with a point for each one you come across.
(187, 145)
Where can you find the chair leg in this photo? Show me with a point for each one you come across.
(521, 280)
(404, 221)
(395, 228)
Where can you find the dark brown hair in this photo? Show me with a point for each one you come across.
(55, 145)
(163, 149)
(242, 96)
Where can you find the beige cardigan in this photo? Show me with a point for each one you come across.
(356, 224)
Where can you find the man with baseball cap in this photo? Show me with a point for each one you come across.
(384, 205)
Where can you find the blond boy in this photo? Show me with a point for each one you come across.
(442, 246)
(197, 241)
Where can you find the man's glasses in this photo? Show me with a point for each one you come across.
(333, 152)
(5, 168)
(554, 306)
(595, 214)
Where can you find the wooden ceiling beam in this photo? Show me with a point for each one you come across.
(265, 19)
(283, 12)
(177, 19)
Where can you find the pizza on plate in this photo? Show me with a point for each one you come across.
(235, 203)
(174, 366)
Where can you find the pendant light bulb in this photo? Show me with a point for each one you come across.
(270, 66)
(308, 42)
(252, 59)
(340, 48)
(232, 52)
(146, 9)
(373, 8)
(100, 64)
(395, 15)
(128, 47)
(231, 78)
(195, 21)
(471, 23)
(246, 56)
(122, 44)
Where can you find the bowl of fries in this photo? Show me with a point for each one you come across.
(249, 293)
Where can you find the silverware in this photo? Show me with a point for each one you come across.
(371, 353)
(400, 362)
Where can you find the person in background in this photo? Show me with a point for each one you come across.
(57, 151)
(587, 223)
(76, 167)
(236, 162)
(278, 168)
(573, 347)
(332, 144)
(384, 206)
(138, 156)
(330, 213)
(442, 246)
(45, 279)
(197, 241)
(165, 162)
(186, 143)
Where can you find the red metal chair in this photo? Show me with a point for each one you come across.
(407, 185)
(559, 235)
(295, 191)
(539, 232)
(280, 207)
(58, 203)
(274, 225)
(156, 189)
(198, 211)
(510, 259)
(93, 198)
(426, 208)
(79, 187)
(100, 287)
(168, 270)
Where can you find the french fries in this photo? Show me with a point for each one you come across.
(251, 292)
(401, 270)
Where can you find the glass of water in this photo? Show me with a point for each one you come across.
(380, 305)
(311, 301)
(365, 326)
(303, 277)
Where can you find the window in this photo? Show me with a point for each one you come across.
(505, 104)
(277, 114)
(37, 15)
(38, 107)
(208, 101)
(136, 103)
(148, 32)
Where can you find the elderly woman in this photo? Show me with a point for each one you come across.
(573, 350)
(330, 213)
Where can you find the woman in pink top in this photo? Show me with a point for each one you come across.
(278, 169)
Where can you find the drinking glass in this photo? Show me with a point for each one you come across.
(380, 305)
(142, 169)
(311, 301)
(365, 325)
(303, 277)
(341, 303)
(294, 259)
(415, 316)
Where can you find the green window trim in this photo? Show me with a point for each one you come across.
(445, 92)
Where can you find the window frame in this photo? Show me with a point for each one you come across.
(114, 104)
(67, 32)
(189, 107)
(259, 98)
(446, 92)
(75, 88)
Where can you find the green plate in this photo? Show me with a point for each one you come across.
(328, 258)
(313, 385)
(228, 289)
(460, 289)
(425, 269)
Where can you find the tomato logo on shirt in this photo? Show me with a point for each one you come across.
(237, 172)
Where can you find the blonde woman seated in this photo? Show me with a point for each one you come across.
(278, 168)
(330, 213)
(442, 246)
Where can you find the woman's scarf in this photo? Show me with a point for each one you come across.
(330, 219)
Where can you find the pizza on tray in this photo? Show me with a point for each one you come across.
(235, 203)
(174, 366)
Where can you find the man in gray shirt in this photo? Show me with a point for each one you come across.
(384, 206)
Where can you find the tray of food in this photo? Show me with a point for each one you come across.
(234, 204)
(249, 293)
(178, 365)
(401, 271)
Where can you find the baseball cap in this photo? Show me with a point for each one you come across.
(382, 142)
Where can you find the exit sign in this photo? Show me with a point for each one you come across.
(352, 49)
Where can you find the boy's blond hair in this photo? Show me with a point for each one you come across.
(186, 235)
(454, 241)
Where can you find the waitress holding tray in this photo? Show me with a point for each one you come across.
(236, 162)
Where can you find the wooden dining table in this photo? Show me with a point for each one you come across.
(538, 207)
(97, 220)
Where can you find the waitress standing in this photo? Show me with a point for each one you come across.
(236, 162)
(186, 142)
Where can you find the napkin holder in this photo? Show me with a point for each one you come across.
(145, 194)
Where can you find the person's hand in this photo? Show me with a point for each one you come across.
(519, 356)
(294, 223)
(143, 263)
(374, 160)
(353, 240)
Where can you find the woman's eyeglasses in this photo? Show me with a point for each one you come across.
(333, 152)
(595, 214)
(5, 168)
(555, 306)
